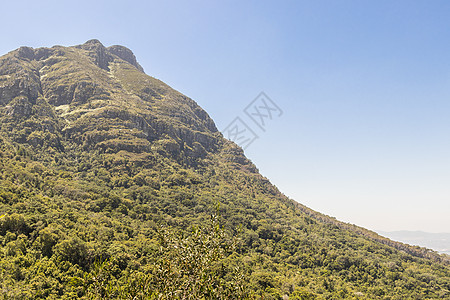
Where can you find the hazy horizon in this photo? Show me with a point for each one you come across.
(436, 241)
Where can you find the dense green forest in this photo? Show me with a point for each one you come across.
(115, 186)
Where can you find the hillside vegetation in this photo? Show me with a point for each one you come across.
(115, 186)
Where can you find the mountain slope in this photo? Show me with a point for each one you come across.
(96, 156)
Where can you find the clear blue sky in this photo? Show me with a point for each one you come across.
(364, 86)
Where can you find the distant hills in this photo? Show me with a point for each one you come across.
(436, 241)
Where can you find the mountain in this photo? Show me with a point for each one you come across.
(115, 186)
(437, 241)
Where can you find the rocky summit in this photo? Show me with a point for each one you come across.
(115, 186)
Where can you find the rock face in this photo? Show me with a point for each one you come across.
(101, 57)
(88, 86)
(125, 54)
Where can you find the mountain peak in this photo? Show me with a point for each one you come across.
(26, 52)
(80, 85)
(103, 56)
(125, 54)
(93, 42)
(98, 52)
